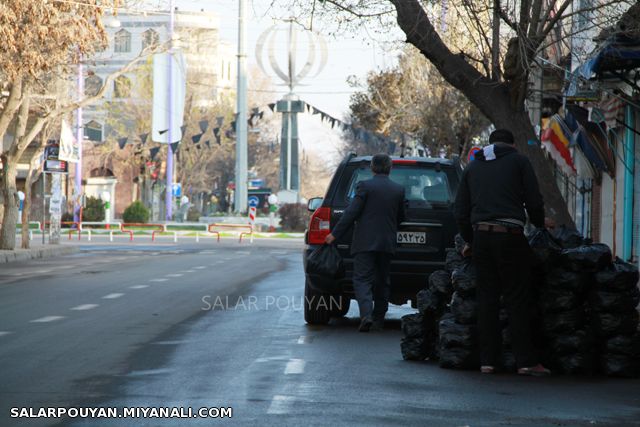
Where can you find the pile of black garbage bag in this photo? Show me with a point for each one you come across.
(585, 317)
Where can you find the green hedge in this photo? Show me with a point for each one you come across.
(136, 212)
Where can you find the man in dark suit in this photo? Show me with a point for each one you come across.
(376, 210)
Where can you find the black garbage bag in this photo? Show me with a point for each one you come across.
(574, 342)
(573, 363)
(452, 334)
(560, 278)
(610, 324)
(544, 248)
(620, 365)
(628, 345)
(615, 302)
(453, 260)
(563, 323)
(464, 309)
(587, 258)
(463, 278)
(414, 348)
(413, 326)
(459, 243)
(553, 301)
(325, 266)
(429, 303)
(440, 282)
(620, 276)
(568, 238)
(459, 358)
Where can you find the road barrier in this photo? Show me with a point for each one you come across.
(214, 227)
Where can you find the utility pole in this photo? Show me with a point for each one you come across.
(169, 189)
(241, 193)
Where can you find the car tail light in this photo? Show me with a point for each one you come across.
(319, 226)
(404, 162)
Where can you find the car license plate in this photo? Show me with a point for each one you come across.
(413, 237)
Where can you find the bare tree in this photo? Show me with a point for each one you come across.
(491, 65)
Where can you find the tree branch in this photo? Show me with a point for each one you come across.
(9, 110)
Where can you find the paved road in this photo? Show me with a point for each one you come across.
(120, 329)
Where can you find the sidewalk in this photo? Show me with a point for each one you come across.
(36, 252)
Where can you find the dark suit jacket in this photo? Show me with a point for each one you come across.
(376, 210)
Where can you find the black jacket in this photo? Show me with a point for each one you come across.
(501, 186)
(376, 210)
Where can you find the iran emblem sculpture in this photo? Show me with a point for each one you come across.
(291, 76)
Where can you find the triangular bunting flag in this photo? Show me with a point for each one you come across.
(218, 139)
(255, 111)
(196, 138)
(308, 107)
(260, 115)
(315, 110)
(207, 143)
(122, 142)
(143, 138)
(204, 124)
(272, 106)
(174, 147)
(154, 152)
(233, 125)
(183, 129)
(219, 120)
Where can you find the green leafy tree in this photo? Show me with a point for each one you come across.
(93, 210)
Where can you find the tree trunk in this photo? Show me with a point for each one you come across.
(10, 218)
(501, 103)
(26, 207)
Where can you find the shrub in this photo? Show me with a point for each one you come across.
(136, 212)
(293, 217)
(93, 209)
(193, 215)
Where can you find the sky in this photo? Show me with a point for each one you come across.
(348, 55)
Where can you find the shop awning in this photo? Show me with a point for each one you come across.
(590, 137)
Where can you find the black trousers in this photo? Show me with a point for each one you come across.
(503, 267)
(371, 283)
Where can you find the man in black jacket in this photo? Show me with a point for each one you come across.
(377, 209)
(495, 190)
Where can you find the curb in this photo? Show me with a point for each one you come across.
(36, 253)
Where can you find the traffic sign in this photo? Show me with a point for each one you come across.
(176, 189)
(253, 201)
(472, 153)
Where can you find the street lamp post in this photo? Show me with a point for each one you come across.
(79, 138)
(241, 192)
(169, 189)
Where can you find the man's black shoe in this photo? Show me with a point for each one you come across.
(365, 324)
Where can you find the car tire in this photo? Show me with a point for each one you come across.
(315, 313)
(342, 309)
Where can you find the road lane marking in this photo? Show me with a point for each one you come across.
(200, 267)
(85, 307)
(138, 287)
(280, 404)
(3, 333)
(294, 366)
(243, 252)
(42, 271)
(47, 319)
(112, 296)
(158, 280)
(278, 252)
(188, 271)
(175, 275)
(305, 339)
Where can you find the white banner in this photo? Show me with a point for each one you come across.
(168, 92)
(68, 145)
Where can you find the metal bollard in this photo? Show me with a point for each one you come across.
(175, 237)
(30, 235)
(89, 235)
(111, 236)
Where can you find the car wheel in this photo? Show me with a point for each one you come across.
(316, 306)
(342, 307)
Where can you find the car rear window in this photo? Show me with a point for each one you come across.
(423, 186)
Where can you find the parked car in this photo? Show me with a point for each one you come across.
(423, 237)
